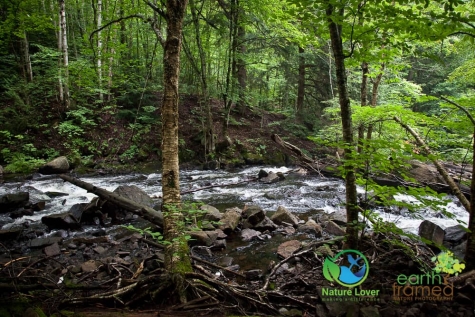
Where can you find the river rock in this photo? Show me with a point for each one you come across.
(42, 242)
(134, 193)
(57, 166)
(10, 202)
(265, 225)
(455, 234)
(212, 213)
(262, 174)
(52, 250)
(369, 311)
(206, 238)
(10, 234)
(425, 173)
(432, 232)
(334, 229)
(270, 178)
(230, 220)
(249, 234)
(20, 213)
(283, 215)
(287, 248)
(311, 227)
(61, 221)
(252, 215)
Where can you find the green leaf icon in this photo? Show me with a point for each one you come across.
(331, 271)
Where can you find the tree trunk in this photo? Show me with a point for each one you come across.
(345, 108)
(470, 249)
(145, 212)
(208, 129)
(374, 99)
(177, 260)
(241, 69)
(301, 82)
(99, 48)
(64, 52)
(364, 92)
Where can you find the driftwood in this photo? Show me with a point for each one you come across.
(145, 212)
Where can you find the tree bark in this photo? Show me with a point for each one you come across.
(177, 259)
(145, 212)
(345, 108)
(99, 48)
(301, 82)
(364, 102)
(63, 46)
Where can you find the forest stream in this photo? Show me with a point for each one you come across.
(307, 196)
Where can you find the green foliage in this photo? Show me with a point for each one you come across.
(446, 263)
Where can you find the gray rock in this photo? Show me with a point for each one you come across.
(459, 250)
(455, 233)
(201, 237)
(41, 242)
(283, 215)
(253, 214)
(287, 248)
(249, 234)
(230, 220)
(10, 202)
(212, 213)
(52, 250)
(311, 227)
(432, 232)
(265, 225)
(270, 178)
(334, 229)
(61, 221)
(134, 193)
(57, 166)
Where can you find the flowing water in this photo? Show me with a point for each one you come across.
(303, 195)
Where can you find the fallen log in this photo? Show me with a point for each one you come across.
(147, 213)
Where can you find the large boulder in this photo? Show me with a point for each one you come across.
(311, 227)
(287, 248)
(455, 234)
(425, 173)
(57, 166)
(252, 215)
(283, 215)
(432, 232)
(230, 220)
(10, 202)
(134, 193)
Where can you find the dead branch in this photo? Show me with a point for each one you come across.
(441, 169)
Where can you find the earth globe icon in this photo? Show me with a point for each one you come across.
(348, 268)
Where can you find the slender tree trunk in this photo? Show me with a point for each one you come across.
(99, 48)
(64, 52)
(345, 108)
(241, 69)
(208, 129)
(470, 249)
(177, 260)
(374, 98)
(26, 56)
(301, 82)
(364, 98)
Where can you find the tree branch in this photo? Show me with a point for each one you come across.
(469, 115)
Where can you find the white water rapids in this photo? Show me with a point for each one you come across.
(299, 194)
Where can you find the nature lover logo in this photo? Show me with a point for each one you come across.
(349, 268)
(350, 276)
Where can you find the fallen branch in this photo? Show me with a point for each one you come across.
(441, 169)
(145, 212)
